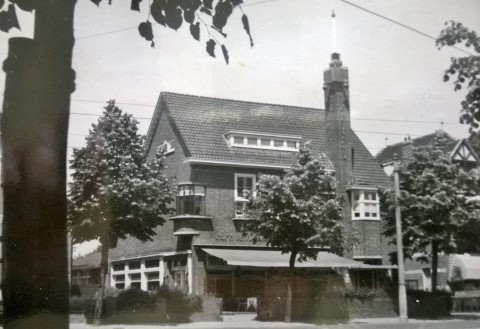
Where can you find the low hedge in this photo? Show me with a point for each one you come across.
(425, 304)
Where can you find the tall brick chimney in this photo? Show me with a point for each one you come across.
(337, 131)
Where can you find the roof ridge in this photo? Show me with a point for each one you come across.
(241, 101)
(417, 138)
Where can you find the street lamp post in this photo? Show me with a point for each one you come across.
(402, 293)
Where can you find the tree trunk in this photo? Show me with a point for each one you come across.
(291, 272)
(36, 106)
(434, 265)
(97, 319)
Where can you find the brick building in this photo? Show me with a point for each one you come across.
(451, 268)
(215, 148)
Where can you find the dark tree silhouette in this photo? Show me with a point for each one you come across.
(464, 70)
(115, 192)
(39, 81)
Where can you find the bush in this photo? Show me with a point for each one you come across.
(180, 306)
(134, 300)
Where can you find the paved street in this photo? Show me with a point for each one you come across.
(247, 321)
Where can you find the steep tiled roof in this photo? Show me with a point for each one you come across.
(386, 155)
(202, 121)
(87, 261)
(365, 169)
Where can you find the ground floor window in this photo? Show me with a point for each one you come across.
(368, 279)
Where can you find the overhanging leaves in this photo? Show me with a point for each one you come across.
(246, 27)
(225, 53)
(145, 30)
(464, 72)
(25, 5)
(195, 31)
(8, 19)
(223, 10)
(135, 5)
(211, 47)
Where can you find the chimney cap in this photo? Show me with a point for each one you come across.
(335, 57)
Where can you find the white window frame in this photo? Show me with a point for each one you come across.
(168, 146)
(238, 199)
(362, 202)
(230, 137)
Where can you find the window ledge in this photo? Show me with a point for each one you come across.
(366, 218)
(190, 217)
(242, 219)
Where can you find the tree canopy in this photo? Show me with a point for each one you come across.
(465, 71)
(298, 211)
(115, 192)
(437, 202)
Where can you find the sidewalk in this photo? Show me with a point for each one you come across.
(240, 321)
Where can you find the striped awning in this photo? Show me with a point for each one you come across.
(463, 267)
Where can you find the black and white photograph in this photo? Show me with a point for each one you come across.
(240, 164)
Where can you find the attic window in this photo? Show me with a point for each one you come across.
(263, 141)
(168, 146)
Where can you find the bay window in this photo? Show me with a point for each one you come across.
(365, 204)
(191, 199)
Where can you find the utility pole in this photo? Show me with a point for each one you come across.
(402, 293)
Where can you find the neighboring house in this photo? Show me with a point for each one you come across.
(215, 149)
(85, 275)
(417, 274)
(460, 151)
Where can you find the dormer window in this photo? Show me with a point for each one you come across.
(168, 146)
(263, 141)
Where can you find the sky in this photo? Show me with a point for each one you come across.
(395, 73)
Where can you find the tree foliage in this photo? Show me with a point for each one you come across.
(437, 203)
(464, 71)
(115, 192)
(298, 211)
(212, 15)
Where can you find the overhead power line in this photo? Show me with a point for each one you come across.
(103, 102)
(401, 24)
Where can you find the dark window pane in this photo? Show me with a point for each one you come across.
(238, 140)
(134, 265)
(135, 285)
(291, 144)
(151, 263)
(153, 285)
(118, 266)
(135, 277)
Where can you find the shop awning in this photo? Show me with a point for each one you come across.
(463, 267)
(274, 258)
